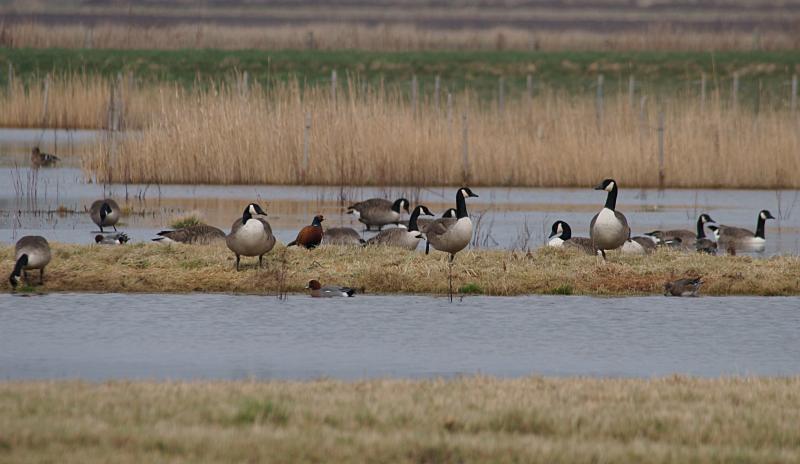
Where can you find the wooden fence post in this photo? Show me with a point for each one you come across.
(10, 81)
(45, 99)
(414, 87)
(599, 102)
(702, 91)
(632, 91)
(465, 148)
(436, 89)
(501, 98)
(306, 145)
(529, 87)
(794, 93)
(333, 87)
(661, 150)
(735, 91)
(450, 110)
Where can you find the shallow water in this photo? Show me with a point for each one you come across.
(101, 336)
(510, 217)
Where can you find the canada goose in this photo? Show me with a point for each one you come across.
(251, 235)
(400, 236)
(662, 241)
(452, 235)
(688, 238)
(639, 245)
(318, 291)
(683, 287)
(196, 234)
(105, 213)
(341, 236)
(423, 223)
(114, 239)
(705, 245)
(743, 239)
(31, 252)
(309, 236)
(39, 159)
(378, 212)
(561, 237)
(609, 229)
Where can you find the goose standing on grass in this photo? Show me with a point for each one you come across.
(452, 235)
(400, 236)
(39, 159)
(342, 236)
(683, 287)
(113, 239)
(196, 234)
(688, 238)
(561, 237)
(318, 291)
(105, 213)
(310, 236)
(251, 235)
(377, 212)
(31, 252)
(423, 223)
(609, 229)
(744, 239)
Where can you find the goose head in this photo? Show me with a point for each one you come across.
(422, 209)
(765, 214)
(105, 210)
(399, 204)
(251, 210)
(705, 218)
(609, 185)
(465, 192)
(560, 229)
(450, 213)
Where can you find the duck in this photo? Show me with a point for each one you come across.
(195, 234)
(706, 245)
(609, 228)
(377, 212)
(328, 291)
(30, 252)
(688, 238)
(452, 235)
(423, 223)
(105, 213)
(310, 236)
(114, 239)
(743, 239)
(251, 235)
(341, 236)
(39, 159)
(561, 237)
(400, 236)
(639, 245)
(683, 287)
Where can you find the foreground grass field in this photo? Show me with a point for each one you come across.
(180, 269)
(476, 419)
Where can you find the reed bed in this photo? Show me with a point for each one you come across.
(368, 135)
(470, 419)
(153, 268)
(384, 37)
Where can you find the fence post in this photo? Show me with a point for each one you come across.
(10, 82)
(599, 103)
(529, 87)
(450, 110)
(46, 95)
(794, 93)
(436, 89)
(735, 91)
(306, 144)
(414, 94)
(333, 87)
(661, 150)
(632, 90)
(643, 115)
(465, 147)
(702, 91)
(501, 97)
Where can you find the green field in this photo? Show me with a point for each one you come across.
(478, 70)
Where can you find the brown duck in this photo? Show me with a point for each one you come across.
(310, 236)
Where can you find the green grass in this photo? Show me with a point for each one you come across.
(478, 70)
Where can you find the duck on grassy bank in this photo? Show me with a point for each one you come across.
(30, 252)
(310, 236)
(683, 287)
(251, 235)
(113, 239)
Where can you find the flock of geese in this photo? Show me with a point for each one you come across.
(251, 235)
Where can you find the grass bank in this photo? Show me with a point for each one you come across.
(179, 269)
(475, 419)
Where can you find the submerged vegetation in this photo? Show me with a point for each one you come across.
(472, 419)
(151, 268)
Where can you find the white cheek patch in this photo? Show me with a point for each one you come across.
(560, 229)
(609, 187)
(464, 193)
(252, 209)
(763, 216)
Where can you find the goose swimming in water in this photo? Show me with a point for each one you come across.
(251, 235)
(452, 235)
(609, 229)
(30, 252)
(377, 212)
(400, 236)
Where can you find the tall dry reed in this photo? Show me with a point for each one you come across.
(397, 37)
(369, 136)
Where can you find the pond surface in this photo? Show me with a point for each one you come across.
(506, 217)
(102, 336)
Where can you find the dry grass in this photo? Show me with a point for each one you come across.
(176, 269)
(385, 37)
(374, 137)
(474, 419)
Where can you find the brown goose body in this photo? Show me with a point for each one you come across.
(196, 234)
(341, 236)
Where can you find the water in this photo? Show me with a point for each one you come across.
(510, 217)
(102, 336)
